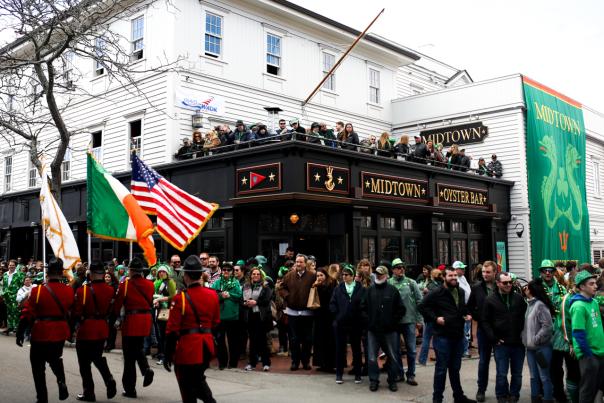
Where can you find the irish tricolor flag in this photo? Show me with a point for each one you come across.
(113, 213)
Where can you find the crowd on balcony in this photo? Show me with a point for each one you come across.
(223, 139)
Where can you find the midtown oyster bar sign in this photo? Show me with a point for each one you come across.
(463, 134)
(380, 186)
(458, 196)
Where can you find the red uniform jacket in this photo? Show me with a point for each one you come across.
(93, 310)
(50, 324)
(189, 349)
(136, 296)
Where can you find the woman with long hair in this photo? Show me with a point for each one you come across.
(436, 281)
(454, 158)
(537, 337)
(165, 290)
(349, 139)
(384, 146)
(257, 314)
(324, 343)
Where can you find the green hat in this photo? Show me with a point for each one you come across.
(583, 276)
(459, 265)
(546, 264)
(283, 270)
(397, 262)
(240, 262)
(348, 267)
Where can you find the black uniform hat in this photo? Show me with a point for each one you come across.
(192, 264)
(136, 264)
(55, 266)
(97, 267)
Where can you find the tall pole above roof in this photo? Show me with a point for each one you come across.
(341, 59)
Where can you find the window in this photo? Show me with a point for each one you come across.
(135, 128)
(458, 251)
(388, 223)
(8, 172)
(390, 248)
(328, 62)
(216, 222)
(273, 54)
(411, 251)
(66, 166)
(97, 145)
(213, 38)
(10, 103)
(67, 59)
(442, 226)
(596, 168)
(367, 222)
(474, 252)
(473, 227)
(99, 50)
(408, 224)
(456, 226)
(32, 178)
(443, 251)
(368, 248)
(374, 86)
(138, 30)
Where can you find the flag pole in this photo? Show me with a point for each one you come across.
(44, 248)
(130, 252)
(89, 249)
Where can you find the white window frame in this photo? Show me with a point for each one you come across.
(597, 181)
(140, 140)
(330, 83)
(8, 173)
(219, 36)
(99, 50)
(68, 58)
(375, 89)
(32, 176)
(278, 56)
(97, 151)
(66, 166)
(137, 42)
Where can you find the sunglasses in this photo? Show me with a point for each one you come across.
(548, 270)
(506, 282)
(175, 262)
(346, 274)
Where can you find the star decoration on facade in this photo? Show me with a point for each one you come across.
(244, 181)
(271, 177)
(340, 180)
(442, 194)
(367, 184)
(483, 131)
(317, 177)
(423, 191)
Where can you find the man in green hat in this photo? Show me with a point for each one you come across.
(411, 297)
(588, 336)
(561, 352)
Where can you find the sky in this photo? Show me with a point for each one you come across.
(558, 43)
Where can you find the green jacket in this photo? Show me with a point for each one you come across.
(556, 293)
(411, 297)
(10, 291)
(229, 307)
(168, 291)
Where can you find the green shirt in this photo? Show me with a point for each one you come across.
(455, 294)
(585, 315)
(556, 293)
(411, 297)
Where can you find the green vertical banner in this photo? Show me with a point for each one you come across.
(501, 257)
(555, 150)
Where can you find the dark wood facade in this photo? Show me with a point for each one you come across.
(349, 205)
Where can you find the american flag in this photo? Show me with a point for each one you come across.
(180, 216)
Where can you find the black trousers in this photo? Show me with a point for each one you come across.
(258, 347)
(192, 383)
(91, 352)
(133, 348)
(40, 354)
(342, 334)
(300, 339)
(228, 331)
(573, 374)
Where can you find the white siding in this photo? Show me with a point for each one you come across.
(594, 150)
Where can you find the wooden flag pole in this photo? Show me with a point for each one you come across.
(130, 252)
(341, 59)
(44, 248)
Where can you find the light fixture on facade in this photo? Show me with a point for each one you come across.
(294, 218)
(520, 231)
(197, 120)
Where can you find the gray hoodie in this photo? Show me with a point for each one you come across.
(538, 327)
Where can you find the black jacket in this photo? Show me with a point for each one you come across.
(477, 299)
(349, 311)
(384, 308)
(501, 322)
(351, 142)
(439, 302)
(421, 154)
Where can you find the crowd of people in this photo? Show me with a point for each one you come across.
(221, 139)
(203, 308)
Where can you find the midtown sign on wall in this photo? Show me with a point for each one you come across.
(202, 101)
(471, 133)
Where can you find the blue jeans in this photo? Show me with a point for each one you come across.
(467, 329)
(426, 337)
(448, 357)
(389, 345)
(540, 376)
(485, 349)
(508, 358)
(407, 330)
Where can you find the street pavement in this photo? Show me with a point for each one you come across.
(234, 385)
